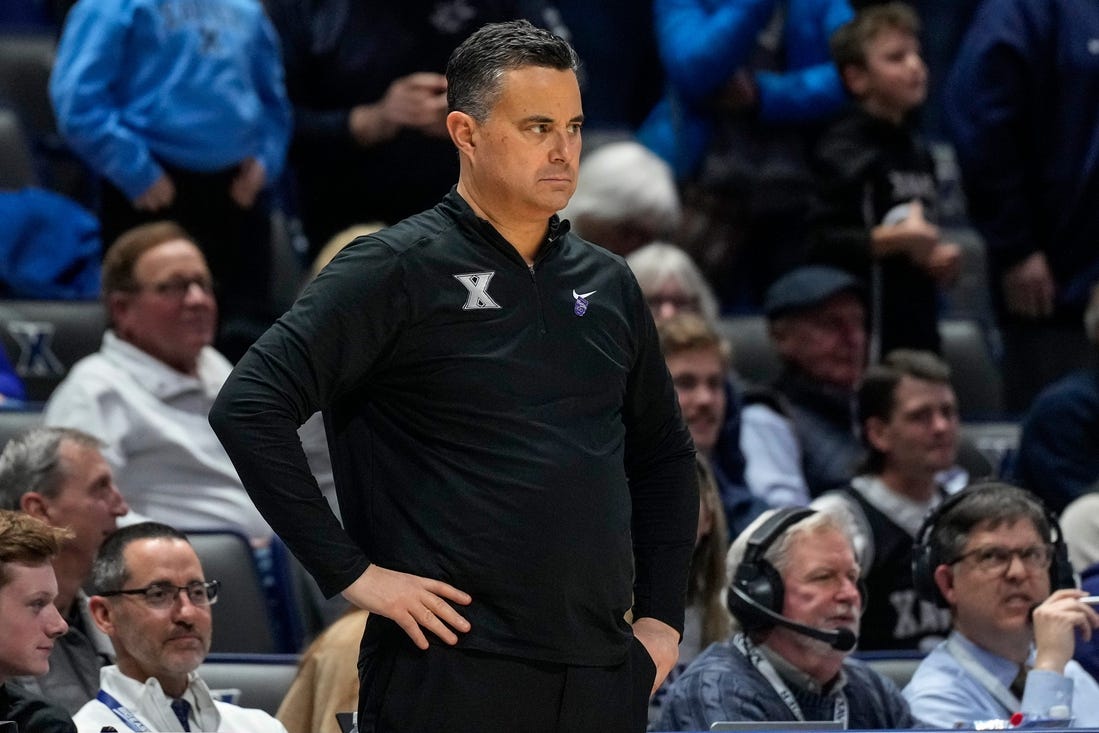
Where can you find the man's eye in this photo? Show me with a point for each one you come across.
(156, 594)
(993, 554)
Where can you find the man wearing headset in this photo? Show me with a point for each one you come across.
(992, 554)
(795, 596)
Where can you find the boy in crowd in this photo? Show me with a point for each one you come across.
(876, 188)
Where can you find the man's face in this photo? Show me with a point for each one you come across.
(894, 80)
(992, 604)
(166, 643)
(699, 379)
(88, 502)
(821, 581)
(173, 313)
(828, 343)
(670, 298)
(29, 622)
(920, 437)
(525, 155)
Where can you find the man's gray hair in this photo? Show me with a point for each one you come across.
(475, 71)
(31, 462)
(778, 554)
(624, 181)
(654, 263)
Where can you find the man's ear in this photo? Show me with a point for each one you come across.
(118, 304)
(34, 504)
(875, 432)
(944, 579)
(856, 79)
(462, 129)
(102, 614)
(779, 330)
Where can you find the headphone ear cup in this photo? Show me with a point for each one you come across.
(760, 582)
(1061, 573)
(923, 575)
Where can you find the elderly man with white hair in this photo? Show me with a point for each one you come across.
(795, 595)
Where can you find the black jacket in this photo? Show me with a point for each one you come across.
(32, 714)
(865, 169)
(511, 430)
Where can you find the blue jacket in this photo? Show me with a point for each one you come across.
(49, 247)
(1022, 107)
(197, 84)
(704, 42)
(1058, 455)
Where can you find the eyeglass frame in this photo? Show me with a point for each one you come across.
(1011, 553)
(211, 588)
(175, 288)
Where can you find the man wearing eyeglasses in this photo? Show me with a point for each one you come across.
(153, 601)
(148, 390)
(993, 564)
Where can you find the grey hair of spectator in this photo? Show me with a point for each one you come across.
(1091, 316)
(778, 554)
(109, 572)
(658, 262)
(624, 181)
(476, 68)
(31, 462)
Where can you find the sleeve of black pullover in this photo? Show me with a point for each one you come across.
(322, 348)
(842, 214)
(660, 465)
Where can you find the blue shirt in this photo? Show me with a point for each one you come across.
(944, 694)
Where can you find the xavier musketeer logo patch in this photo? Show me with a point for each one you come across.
(477, 285)
(581, 305)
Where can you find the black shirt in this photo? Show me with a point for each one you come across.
(32, 714)
(510, 430)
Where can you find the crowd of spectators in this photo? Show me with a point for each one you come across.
(768, 159)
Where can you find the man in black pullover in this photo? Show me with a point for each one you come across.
(512, 468)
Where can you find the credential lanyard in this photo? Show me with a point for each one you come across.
(126, 715)
(996, 688)
(765, 668)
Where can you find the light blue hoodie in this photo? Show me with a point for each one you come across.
(197, 84)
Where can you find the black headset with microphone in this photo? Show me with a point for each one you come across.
(756, 593)
(926, 557)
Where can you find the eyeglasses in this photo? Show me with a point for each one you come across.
(164, 595)
(995, 559)
(178, 287)
(679, 302)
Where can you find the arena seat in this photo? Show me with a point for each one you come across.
(15, 421)
(263, 679)
(976, 377)
(998, 441)
(241, 617)
(898, 665)
(754, 358)
(44, 338)
(26, 60)
(16, 157)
